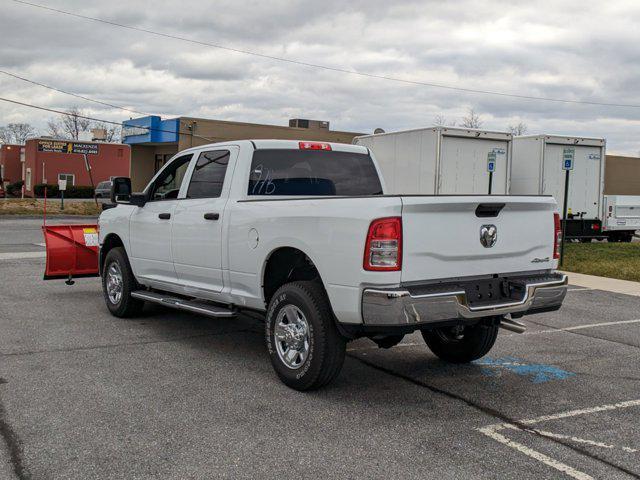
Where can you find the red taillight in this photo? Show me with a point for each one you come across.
(557, 235)
(383, 249)
(595, 226)
(314, 146)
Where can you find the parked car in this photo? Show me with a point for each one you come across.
(303, 233)
(103, 189)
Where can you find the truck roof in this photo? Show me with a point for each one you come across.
(261, 144)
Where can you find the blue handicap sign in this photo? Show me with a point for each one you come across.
(491, 166)
(568, 154)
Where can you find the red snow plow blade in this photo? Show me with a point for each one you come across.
(72, 251)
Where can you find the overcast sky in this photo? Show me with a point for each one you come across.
(578, 50)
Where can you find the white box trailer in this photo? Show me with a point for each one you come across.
(621, 217)
(442, 160)
(539, 167)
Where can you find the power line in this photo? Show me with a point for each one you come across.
(327, 67)
(73, 94)
(93, 119)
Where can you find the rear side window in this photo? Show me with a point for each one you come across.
(312, 172)
(208, 175)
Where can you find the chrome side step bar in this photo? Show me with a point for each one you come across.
(183, 304)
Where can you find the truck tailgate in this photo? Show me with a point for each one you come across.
(441, 236)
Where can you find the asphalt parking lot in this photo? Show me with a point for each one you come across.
(175, 395)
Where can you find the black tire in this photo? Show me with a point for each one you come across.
(126, 305)
(469, 344)
(322, 345)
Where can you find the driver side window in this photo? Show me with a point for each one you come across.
(167, 185)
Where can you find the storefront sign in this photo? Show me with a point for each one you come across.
(60, 146)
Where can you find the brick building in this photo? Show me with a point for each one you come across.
(10, 163)
(47, 160)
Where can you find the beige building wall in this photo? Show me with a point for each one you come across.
(143, 160)
(205, 131)
(622, 175)
(222, 131)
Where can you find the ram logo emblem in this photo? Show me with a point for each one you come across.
(488, 235)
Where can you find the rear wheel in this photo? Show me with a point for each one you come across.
(462, 343)
(117, 284)
(305, 347)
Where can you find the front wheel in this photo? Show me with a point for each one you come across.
(304, 345)
(462, 343)
(117, 284)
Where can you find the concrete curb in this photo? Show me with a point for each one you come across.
(625, 287)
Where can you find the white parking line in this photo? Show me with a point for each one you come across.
(541, 457)
(491, 431)
(581, 327)
(20, 255)
(593, 443)
(536, 332)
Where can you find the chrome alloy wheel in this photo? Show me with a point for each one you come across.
(114, 283)
(291, 336)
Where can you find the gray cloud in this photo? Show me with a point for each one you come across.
(569, 49)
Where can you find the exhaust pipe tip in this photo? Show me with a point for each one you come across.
(512, 325)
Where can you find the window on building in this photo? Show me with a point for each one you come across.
(69, 177)
(167, 185)
(158, 163)
(28, 179)
(208, 175)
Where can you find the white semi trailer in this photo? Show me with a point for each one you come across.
(539, 167)
(442, 160)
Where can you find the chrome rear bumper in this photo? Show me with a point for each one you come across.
(400, 307)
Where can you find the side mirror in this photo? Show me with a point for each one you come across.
(121, 190)
(138, 199)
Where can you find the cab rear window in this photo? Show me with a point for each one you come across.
(312, 173)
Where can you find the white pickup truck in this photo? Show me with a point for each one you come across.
(303, 233)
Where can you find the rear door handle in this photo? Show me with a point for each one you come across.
(164, 216)
(211, 216)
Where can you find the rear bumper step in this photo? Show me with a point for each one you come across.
(401, 307)
(183, 304)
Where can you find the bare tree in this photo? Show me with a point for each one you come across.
(113, 131)
(70, 125)
(519, 129)
(441, 121)
(472, 120)
(16, 133)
